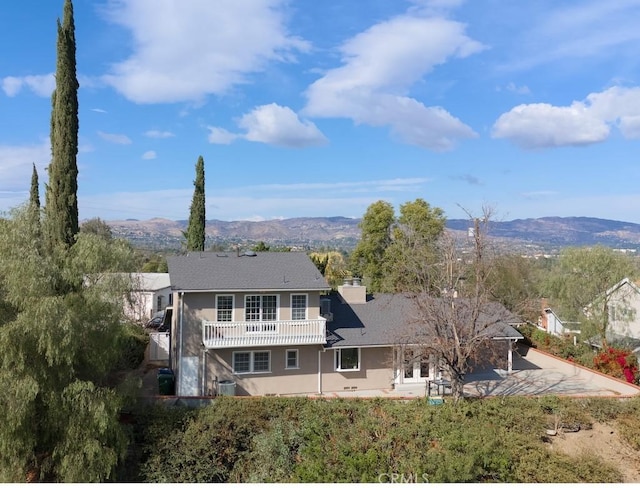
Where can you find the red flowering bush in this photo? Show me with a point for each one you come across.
(620, 363)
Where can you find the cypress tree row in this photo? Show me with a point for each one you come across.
(61, 191)
(195, 231)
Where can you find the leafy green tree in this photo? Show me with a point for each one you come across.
(195, 233)
(414, 242)
(368, 257)
(61, 190)
(581, 277)
(98, 227)
(332, 266)
(58, 419)
(261, 247)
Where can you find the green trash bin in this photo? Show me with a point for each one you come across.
(166, 382)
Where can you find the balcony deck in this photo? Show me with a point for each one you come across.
(219, 335)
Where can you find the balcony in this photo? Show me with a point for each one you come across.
(217, 335)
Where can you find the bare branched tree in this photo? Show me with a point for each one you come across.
(454, 321)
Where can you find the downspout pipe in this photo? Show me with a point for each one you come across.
(320, 351)
(180, 327)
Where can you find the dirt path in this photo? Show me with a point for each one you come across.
(603, 441)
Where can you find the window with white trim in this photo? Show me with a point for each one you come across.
(252, 362)
(241, 362)
(298, 307)
(260, 308)
(347, 359)
(292, 359)
(224, 308)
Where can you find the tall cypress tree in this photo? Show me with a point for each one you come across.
(195, 231)
(34, 194)
(61, 191)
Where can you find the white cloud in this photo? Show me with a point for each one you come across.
(280, 126)
(149, 155)
(16, 166)
(99, 110)
(159, 134)
(41, 85)
(541, 125)
(218, 135)
(272, 124)
(520, 90)
(115, 138)
(379, 67)
(589, 30)
(208, 49)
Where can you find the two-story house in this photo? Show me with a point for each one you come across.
(267, 323)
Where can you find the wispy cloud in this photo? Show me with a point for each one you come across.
(159, 134)
(149, 155)
(380, 65)
(41, 85)
(16, 164)
(115, 138)
(234, 40)
(467, 178)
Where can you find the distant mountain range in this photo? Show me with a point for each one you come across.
(545, 233)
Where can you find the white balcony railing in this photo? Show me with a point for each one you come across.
(217, 335)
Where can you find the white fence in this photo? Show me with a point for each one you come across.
(158, 346)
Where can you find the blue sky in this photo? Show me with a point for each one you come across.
(307, 108)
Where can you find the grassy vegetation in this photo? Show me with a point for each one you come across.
(304, 440)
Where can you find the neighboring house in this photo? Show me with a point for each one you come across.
(266, 323)
(151, 293)
(549, 321)
(622, 304)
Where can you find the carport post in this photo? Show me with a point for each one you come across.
(510, 357)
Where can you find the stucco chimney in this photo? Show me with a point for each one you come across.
(353, 292)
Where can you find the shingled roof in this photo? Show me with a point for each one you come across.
(381, 319)
(225, 272)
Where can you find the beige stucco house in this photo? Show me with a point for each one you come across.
(268, 324)
(150, 293)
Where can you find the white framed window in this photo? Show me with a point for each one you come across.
(242, 362)
(260, 308)
(291, 359)
(347, 359)
(299, 307)
(159, 303)
(251, 362)
(224, 308)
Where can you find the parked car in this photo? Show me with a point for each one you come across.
(165, 326)
(155, 321)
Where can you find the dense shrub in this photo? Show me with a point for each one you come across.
(351, 440)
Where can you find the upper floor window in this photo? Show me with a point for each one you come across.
(260, 308)
(224, 307)
(298, 307)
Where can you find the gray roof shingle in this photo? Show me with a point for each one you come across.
(381, 319)
(211, 271)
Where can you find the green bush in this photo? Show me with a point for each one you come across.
(132, 344)
(352, 440)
